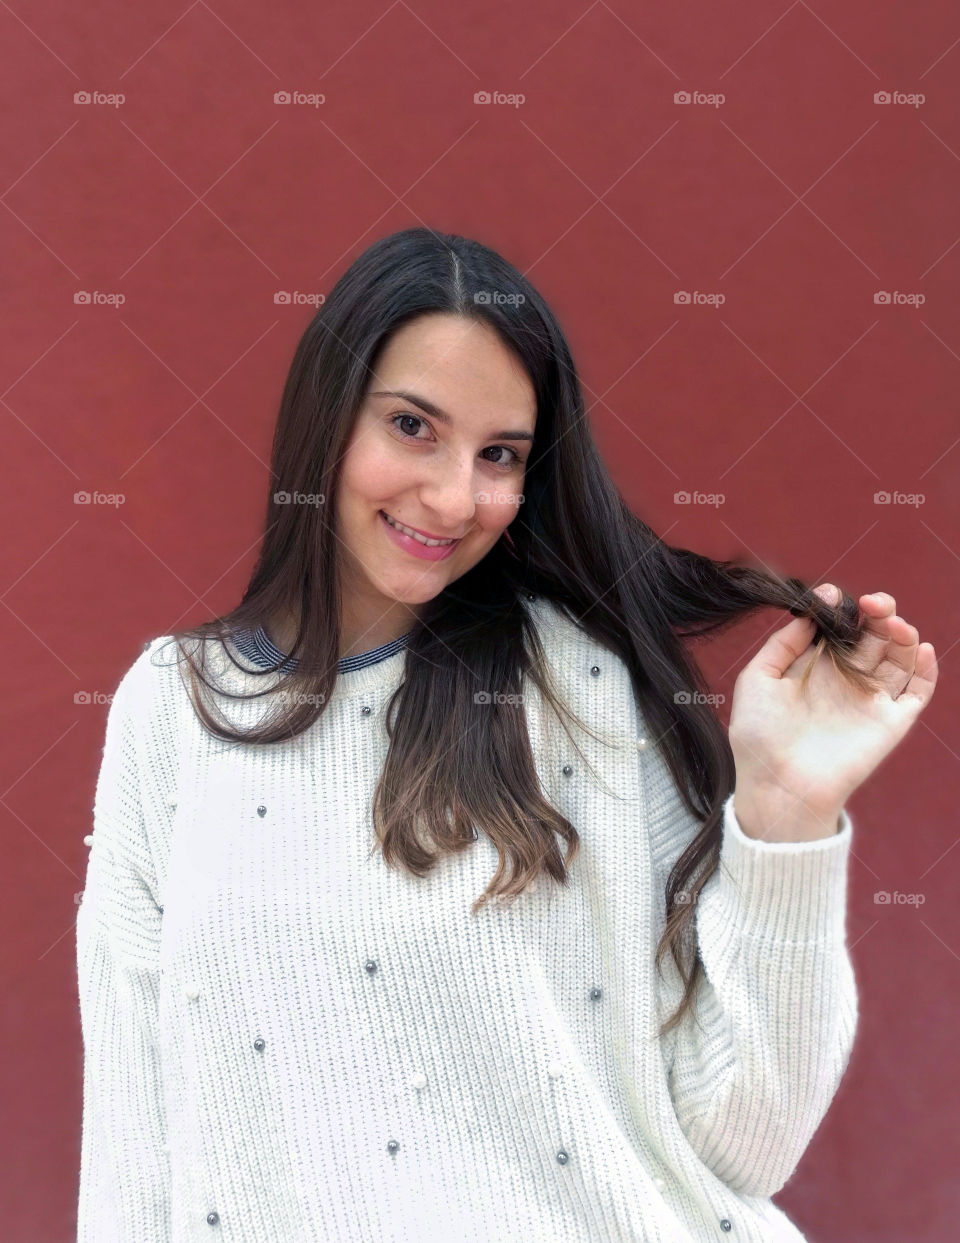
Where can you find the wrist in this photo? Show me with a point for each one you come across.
(774, 816)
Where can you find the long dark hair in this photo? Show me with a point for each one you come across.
(574, 542)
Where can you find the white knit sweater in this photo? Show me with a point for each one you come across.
(285, 1040)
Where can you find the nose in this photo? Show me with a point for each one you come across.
(450, 493)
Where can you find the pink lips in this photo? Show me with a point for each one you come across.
(409, 544)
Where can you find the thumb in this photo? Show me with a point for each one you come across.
(783, 647)
(789, 643)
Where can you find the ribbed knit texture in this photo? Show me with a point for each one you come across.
(285, 1040)
(258, 647)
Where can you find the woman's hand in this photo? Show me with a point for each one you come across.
(801, 754)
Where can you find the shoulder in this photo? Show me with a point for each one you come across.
(135, 691)
(151, 692)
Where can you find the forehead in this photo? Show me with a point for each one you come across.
(461, 364)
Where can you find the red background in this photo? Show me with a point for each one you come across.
(198, 198)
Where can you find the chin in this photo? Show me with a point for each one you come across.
(418, 592)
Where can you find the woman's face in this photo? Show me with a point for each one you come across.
(458, 478)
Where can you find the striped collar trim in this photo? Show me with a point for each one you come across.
(258, 647)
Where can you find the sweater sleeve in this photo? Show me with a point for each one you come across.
(124, 1177)
(754, 1072)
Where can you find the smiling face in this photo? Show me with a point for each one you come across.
(458, 477)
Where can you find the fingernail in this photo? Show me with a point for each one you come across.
(829, 592)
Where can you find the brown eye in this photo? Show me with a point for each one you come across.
(516, 461)
(404, 418)
(411, 418)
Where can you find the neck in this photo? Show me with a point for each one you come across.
(363, 636)
(357, 634)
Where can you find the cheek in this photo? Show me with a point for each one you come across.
(371, 474)
(499, 511)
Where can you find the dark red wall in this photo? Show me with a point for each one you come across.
(797, 198)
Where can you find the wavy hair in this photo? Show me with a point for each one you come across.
(574, 541)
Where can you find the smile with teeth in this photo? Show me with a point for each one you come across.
(422, 539)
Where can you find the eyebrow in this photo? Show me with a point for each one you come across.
(416, 400)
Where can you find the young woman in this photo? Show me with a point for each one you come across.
(338, 979)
